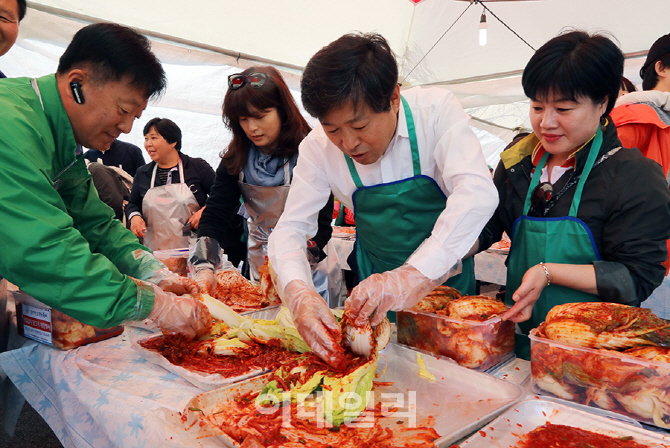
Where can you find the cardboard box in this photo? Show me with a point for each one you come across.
(41, 323)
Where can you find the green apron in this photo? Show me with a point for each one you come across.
(393, 219)
(564, 239)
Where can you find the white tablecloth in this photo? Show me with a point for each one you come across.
(105, 395)
(490, 267)
(96, 396)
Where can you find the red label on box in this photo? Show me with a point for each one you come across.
(36, 323)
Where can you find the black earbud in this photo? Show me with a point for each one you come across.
(76, 92)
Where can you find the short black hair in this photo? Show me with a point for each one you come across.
(659, 51)
(575, 64)
(356, 67)
(22, 8)
(113, 51)
(649, 76)
(167, 128)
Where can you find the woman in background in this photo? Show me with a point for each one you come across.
(587, 218)
(256, 170)
(169, 193)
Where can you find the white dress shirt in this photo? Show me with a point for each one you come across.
(450, 153)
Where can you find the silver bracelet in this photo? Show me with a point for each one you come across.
(546, 272)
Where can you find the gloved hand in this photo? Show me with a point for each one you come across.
(205, 278)
(315, 322)
(152, 270)
(178, 285)
(394, 290)
(177, 314)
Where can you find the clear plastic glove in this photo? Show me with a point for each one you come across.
(205, 278)
(173, 314)
(178, 285)
(316, 323)
(394, 290)
(149, 268)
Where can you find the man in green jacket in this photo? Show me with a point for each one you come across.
(59, 242)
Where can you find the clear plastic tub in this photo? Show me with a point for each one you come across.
(606, 379)
(176, 260)
(41, 323)
(472, 344)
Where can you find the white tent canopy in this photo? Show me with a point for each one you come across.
(202, 41)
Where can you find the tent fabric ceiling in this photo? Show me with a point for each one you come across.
(290, 32)
(196, 85)
(240, 34)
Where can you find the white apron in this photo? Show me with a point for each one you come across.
(166, 210)
(264, 206)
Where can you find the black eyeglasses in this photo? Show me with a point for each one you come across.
(254, 79)
(541, 195)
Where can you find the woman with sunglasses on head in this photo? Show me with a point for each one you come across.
(588, 219)
(258, 167)
(169, 193)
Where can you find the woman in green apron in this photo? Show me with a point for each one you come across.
(587, 218)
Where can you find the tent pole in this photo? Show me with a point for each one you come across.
(409, 34)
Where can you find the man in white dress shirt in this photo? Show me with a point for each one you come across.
(408, 165)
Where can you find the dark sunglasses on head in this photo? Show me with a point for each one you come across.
(541, 195)
(254, 80)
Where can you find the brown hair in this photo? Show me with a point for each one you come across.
(240, 102)
(627, 85)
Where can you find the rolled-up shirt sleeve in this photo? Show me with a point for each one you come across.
(309, 193)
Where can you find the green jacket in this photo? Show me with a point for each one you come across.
(60, 243)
